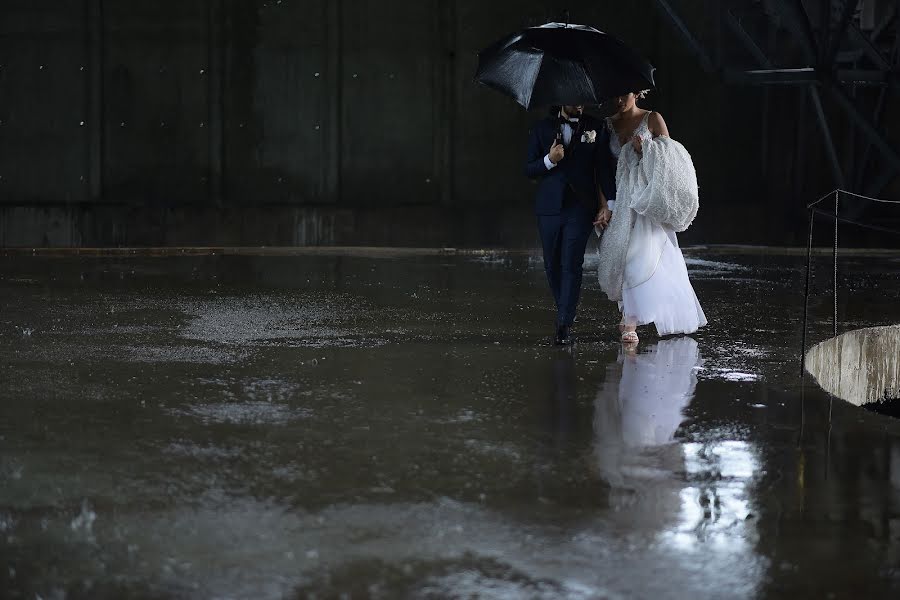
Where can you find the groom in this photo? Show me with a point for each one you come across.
(568, 155)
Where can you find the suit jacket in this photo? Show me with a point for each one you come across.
(586, 168)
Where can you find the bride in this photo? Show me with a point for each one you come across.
(641, 265)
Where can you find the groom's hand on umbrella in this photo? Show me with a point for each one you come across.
(557, 151)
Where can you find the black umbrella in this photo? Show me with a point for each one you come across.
(558, 64)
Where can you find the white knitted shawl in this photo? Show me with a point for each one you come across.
(661, 186)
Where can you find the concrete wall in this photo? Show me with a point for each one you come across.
(294, 122)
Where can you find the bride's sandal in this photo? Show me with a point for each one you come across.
(630, 337)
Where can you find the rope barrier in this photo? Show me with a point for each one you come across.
(813, 211)
(855, 195)
(826, 213)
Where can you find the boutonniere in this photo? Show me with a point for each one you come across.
(589, 137)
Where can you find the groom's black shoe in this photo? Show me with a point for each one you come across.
(562, 336)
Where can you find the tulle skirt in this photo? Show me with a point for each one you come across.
(657, 289)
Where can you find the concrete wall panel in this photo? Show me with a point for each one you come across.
(156, 102)
(267, 122)
(43, 103)
(389, 112)
(280, 118)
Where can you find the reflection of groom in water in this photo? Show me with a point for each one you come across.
(566, 153)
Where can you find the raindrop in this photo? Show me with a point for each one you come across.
(85, 520)
(355, 76)
(317, 74)
(81, 69)
(162, 123)
(202, 71)
(202, 124)
(81, 123)
(317, 127)
(122, 124)
(41, 67)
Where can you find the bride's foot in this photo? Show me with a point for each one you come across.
(630, 337)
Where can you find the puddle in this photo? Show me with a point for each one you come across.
(399, 427)
(243, 413)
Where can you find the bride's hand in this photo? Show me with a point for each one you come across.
(638, 144)
(602, 218)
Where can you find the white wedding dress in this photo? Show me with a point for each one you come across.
(656, 288)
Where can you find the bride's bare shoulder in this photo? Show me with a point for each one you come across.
(657, 125)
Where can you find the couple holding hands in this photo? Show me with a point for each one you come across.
(629, 182)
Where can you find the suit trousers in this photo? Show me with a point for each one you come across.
(564, 238)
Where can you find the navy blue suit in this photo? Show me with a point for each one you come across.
(567, 202)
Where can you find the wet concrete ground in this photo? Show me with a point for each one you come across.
(312, 426)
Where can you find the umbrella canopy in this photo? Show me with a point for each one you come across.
(558, 64)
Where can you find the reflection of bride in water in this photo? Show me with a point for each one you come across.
(637, 411)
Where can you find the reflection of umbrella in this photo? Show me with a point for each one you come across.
(562, 64)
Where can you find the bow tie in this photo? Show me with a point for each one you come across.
(564, 121)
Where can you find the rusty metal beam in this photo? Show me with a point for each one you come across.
(808, 76)
(836, 169)
(837, 34)
(795, 17)
(803, 76)
(693, 43)
(869, 48)
(878, 113)
(820, 73)
(890, 155)
(868, 128)
(749, 43)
